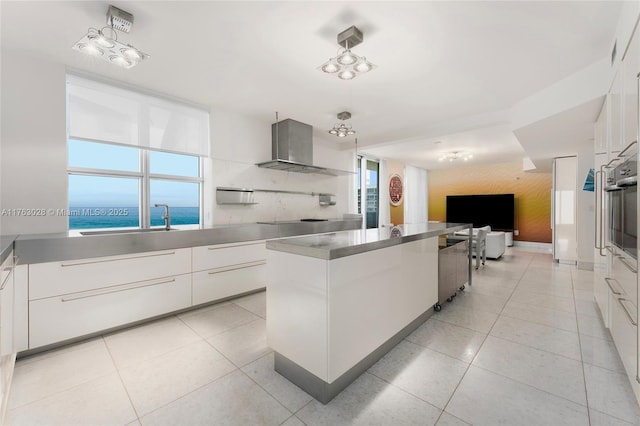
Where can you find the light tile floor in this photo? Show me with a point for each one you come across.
(524, 345)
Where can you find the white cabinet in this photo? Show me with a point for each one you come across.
(605, 289)
(21, 308)
(55, 278)
(624, 314)
(624, 330)
(630, 70)
(223, 255)
(615, 115)
(226, 282)
(564, 229)
(71, 299)
(327, 316)
(6, 306)
(225, 270)
(75, 298)
(600, 129)
(7, 351)
(63, 317)
(623, 269)
(59, 301)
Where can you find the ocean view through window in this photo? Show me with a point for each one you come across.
(130, 149)
(106, 184)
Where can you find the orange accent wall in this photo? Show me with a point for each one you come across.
(396, 213)
(532, 194)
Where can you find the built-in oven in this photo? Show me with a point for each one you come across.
(627, 179)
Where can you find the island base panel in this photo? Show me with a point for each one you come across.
(325, 392)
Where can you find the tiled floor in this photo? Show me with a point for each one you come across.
(523, 346)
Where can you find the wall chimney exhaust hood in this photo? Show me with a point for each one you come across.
(292, 149)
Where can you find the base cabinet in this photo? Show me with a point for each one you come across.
(7, 348)
(602, 290)
(624, 331)
(71, 299)
(327, 316)
(225, 270)
(222, 283)
(59, 318)
(624, 315)
(56, 278)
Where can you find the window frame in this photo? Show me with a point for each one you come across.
(361, 203)
(144, 177)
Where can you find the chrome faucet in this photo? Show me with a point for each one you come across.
(166, 216)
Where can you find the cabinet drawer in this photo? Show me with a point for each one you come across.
(222, 255)
(621, 271)
(624, 333)
(602, 291)
(217, 284)
(57, 278)
(59, 318)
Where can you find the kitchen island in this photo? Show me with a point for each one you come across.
(336, 303)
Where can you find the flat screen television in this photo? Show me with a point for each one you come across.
(495, 210)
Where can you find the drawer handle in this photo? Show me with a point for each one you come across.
(608, 280)
(65, 265)
(237, 245)
(626, 263)
(101, 293)
(626, 311)
(10, 269)
(240, 266)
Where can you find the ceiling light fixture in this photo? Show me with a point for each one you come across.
(103, 43)
(455, 155)
(342, 130)
(347, 65)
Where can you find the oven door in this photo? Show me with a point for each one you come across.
(615, 217)
(630, 221)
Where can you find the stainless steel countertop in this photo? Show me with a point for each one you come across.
(6, 244)
(38, 248)
(347, 243)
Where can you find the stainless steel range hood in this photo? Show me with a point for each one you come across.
(292, 149)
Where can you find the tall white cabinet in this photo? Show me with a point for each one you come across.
(564, 210)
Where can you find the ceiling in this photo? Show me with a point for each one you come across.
(448, 72)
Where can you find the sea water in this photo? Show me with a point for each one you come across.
(123, 217)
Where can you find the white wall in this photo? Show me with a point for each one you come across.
(34, 158)
(577, 89)
(585, 207)
(239, 142)
(33, 150)
(627, 21)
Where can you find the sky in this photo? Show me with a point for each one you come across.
(98, 191)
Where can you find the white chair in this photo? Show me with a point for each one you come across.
(496, 244)
(479, 248)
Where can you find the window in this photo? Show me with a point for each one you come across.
(369, 180)
(106, 186)
(128, 151)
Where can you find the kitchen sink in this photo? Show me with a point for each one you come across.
(125, 231)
